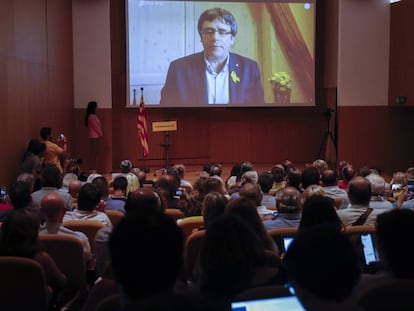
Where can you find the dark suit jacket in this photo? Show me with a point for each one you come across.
(186, 83)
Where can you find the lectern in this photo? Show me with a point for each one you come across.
(166, 127)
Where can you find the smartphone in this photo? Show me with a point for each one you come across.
(286, 242)
(410, 188)
(396, 187)
(370, 253)
(62, 136)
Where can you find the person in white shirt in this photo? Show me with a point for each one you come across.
(53, 210)
(88, 200)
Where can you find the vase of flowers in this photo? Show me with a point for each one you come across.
(281, 84)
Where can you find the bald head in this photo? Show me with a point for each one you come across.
(289, 200)
(359, 191)
(74, 188)
(142, 201)
(52, 207)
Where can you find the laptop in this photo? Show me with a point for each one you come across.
(287, 303)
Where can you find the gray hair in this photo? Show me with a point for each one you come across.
(377, 183)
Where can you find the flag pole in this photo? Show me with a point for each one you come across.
(142, 127)
(143, 150)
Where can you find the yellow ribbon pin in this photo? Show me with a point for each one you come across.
(234, 77)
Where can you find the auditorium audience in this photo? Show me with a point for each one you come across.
(88, 200)
(192, 204)
(102, 184)
(234, 173)
(266, 182)
(395, 233)
(32, 159)
(216, 170)
(293, 179)
(359, 193)
(166, 187)
(133, 182)
(330, 186)
(53, 210)
(311, 191)
(319, 210)
(232, 260)
(233, 257)
(181, 174)
(19, 237)
(213, 206)
(279, 178)
(348, 173)
(289, 207)
(147, 278)
(323, 269)
(247, 177)
(116, 201)
(310, 176)
(246, 209)
(142, 201)
(51, 180)
(377, 192)
(321, 165)
(245, 166)
(252, 192)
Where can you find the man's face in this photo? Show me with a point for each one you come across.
(216, 45)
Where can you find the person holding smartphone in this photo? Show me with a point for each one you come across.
(54, 153)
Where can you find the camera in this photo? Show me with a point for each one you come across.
(76, 161)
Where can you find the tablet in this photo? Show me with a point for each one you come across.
(287, 303)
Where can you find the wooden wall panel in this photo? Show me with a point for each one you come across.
(35, 90)
(59, 34)
(401, 52)
(376, 136)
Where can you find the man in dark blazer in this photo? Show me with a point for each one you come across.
(214, 76)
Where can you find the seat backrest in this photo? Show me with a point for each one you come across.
(174, 213)
(188, 224)
(67, 252)
(192, 252)
(23, 284)
(361, 229)
(89, 227)
(114, 216)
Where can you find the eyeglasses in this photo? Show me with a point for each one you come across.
(211, 31)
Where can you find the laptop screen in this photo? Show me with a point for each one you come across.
(289, 303)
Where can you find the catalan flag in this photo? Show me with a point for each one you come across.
(142, 126)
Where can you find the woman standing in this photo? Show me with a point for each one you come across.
(94, 132)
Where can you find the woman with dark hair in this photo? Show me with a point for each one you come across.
(230, 257)
(19, 237)
(93, 124)
(246, 209)
(213, 206)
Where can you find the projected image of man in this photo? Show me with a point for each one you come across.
(214, 76)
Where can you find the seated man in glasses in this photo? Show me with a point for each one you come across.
(214, 76)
